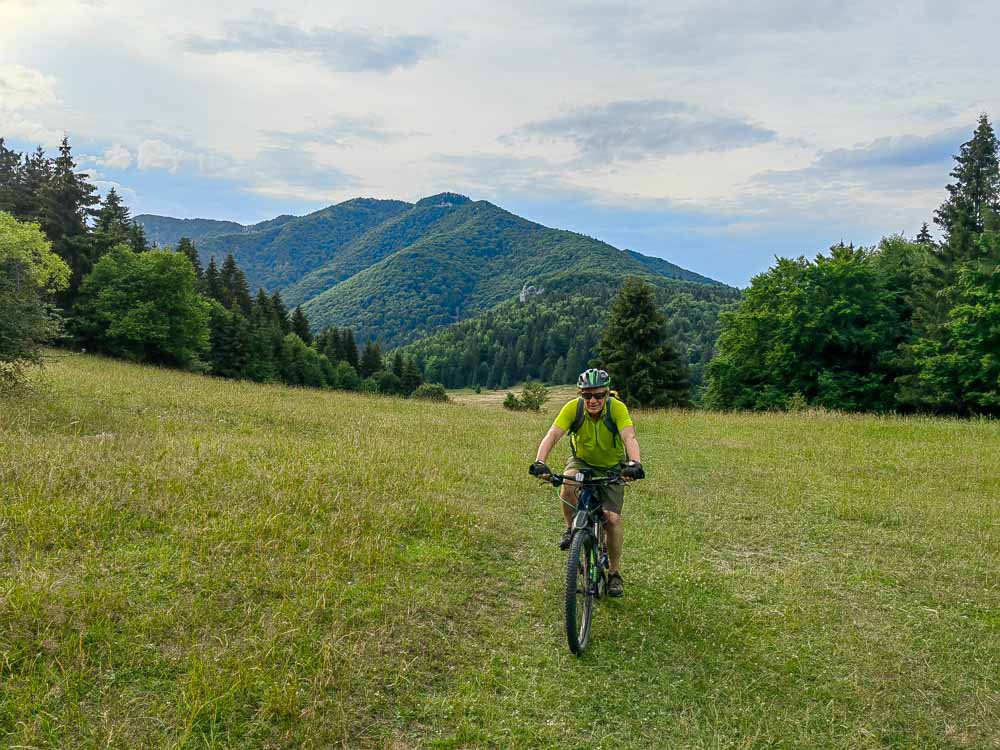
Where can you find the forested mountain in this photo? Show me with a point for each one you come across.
(280, 255)
(402, 230)
(166, 230)
(475, 257)
(397, 271)
(551, 336)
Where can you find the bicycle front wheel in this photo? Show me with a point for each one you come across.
(581, 571)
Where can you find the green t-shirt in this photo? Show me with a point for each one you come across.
(594, 444)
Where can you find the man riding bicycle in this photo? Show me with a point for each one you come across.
(602, 438)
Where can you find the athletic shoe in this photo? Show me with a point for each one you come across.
(615, 587)
(566, 539)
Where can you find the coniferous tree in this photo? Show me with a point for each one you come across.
(300, 326)
(112, 224)
(976, 188)
(66, 201)
(371, 360)
(281, 313)
(213, 283)
(924, 236)
(185, 246)
(350, 348)
(10, 179)
(235, 290)
(137, 238)
(409, 379)
(329, 344)
(938, 376)
(397, 364)
(36, 173)
(646, 367)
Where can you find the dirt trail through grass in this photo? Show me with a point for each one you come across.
(188, 562)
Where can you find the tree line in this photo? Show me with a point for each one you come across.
(908, 325)
(904, 326)
(77, 269)
(553, 335)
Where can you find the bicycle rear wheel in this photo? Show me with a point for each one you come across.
(580, 589)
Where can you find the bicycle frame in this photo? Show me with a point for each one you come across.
(588, 563)
(589, 518)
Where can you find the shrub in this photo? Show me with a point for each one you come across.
(513, 403)
(533, 395)
(431, 392)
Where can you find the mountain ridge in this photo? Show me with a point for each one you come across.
(398, 271)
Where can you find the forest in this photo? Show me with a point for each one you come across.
(904, 326)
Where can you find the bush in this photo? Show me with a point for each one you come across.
(533, 395)
(431, 392)
(513, 403)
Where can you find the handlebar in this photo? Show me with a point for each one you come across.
(613, 477)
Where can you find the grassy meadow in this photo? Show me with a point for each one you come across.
(195, 563)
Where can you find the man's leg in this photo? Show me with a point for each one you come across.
(568, 494)
(613, 531)
(613, 528)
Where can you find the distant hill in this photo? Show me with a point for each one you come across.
(400, 271)
(551, 332)
(165, 230)
(472, 258)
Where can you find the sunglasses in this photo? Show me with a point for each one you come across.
(594, 396)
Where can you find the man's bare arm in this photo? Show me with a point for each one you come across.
(553, 436)
(631, 444)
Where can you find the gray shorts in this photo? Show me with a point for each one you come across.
(612, 496)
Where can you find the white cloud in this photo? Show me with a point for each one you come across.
(116, 157)
(156, 154)
(26, 97)
(404, 99)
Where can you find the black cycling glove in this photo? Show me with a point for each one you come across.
(633, 470)
(539, 469)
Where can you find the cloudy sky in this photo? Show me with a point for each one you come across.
(716, 135)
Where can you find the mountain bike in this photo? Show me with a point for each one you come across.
(587, 567)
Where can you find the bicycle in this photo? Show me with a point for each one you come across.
(587, 567)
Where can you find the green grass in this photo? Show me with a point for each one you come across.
(189, 562)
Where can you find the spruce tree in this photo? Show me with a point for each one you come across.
(924, 236)
(263, 310)
(976, 187)
(10, 179)
(66, 201)
(113, 222)
(36, 173)
(350, 348)
(410, 378)
(235, 289)
(137, 238)
(371, 360)
(281, 313)
(300, 326)
(646, 367)
(938, 376)
(213, 282)
(187, 247)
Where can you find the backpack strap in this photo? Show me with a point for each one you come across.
(609, 422)
(575, 427)
(578, 421)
